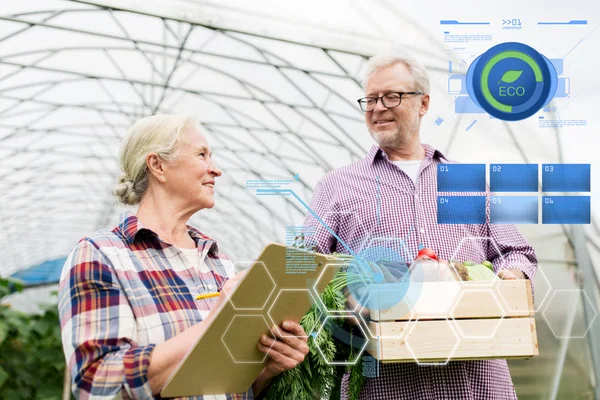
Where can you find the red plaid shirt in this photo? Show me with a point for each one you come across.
(122, 291)
(373, 202)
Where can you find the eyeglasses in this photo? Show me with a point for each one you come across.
(389, 100)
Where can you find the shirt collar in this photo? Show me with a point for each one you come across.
(130, 226)
(377, 152)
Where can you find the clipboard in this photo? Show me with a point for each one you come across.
(281, 284)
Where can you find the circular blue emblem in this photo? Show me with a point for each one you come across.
(511, 81)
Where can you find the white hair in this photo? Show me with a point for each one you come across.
(418, 70)
(156, 134)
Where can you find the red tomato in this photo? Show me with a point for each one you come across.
(427, 252)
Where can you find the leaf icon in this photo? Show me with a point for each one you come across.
(510, 76)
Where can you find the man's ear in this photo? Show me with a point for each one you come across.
(156, 166)
(424, 105)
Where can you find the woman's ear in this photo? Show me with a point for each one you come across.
(156, 166)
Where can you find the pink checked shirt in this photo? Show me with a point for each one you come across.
(372, 202)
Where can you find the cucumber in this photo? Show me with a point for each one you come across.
(489, 265)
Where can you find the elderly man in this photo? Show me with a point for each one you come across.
(390, 197)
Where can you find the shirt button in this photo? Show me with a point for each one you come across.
(422, 230)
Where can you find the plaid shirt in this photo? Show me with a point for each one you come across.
(372, 201)
(121, 292)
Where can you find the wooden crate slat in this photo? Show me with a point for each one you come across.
(506, 298)
(434, 340)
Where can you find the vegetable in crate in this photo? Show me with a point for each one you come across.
(465, 271)
(427, 252)
(476, 272)
(461, 272)
(314, 378)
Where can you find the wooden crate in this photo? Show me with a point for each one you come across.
(457, 321)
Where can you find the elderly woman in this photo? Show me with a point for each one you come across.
(127, 295)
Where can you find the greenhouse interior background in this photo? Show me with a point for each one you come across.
(274, 87)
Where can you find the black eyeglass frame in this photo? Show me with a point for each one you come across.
(383, 101)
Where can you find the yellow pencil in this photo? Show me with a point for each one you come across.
(207, 295)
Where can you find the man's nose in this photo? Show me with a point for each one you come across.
(379, 105)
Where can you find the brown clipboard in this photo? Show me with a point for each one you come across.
(281, 284)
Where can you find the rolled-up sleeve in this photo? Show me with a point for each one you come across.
(508, 248)
(516, 252)
(98, 330)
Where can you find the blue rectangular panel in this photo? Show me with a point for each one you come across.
(563, 87)
(514, 177)
(461, 210)
(566, 209)
(558, 65)
(461, 178)
(566, 177)
(514, 210)
(464, 105)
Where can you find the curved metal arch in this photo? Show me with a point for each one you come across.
(165, 45)
(181, 89)
(242, 82)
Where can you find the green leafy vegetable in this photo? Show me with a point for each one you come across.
(32, 362)
(314, 378)
(489, 265)
(480, 272)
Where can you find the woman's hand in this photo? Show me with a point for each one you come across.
(167, 355)
(285, 351)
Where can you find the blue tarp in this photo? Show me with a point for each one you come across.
(45, 273)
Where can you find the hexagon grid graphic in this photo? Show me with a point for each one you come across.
(446, 295)
(240, 266)
(253, 301)
(286, 297)
(363, 314)
(542, 289)
(392, 243)
(467, 327)
(421, 331)
(358, 353)
(383, 263)
(430, 271)
(568, 302)
(317, 293)
(471, 241)
(240, 352)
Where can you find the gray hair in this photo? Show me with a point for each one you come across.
(156, 134)
(418, 70)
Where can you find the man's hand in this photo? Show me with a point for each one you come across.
(511, 273)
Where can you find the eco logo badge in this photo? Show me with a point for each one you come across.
(511, 81)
